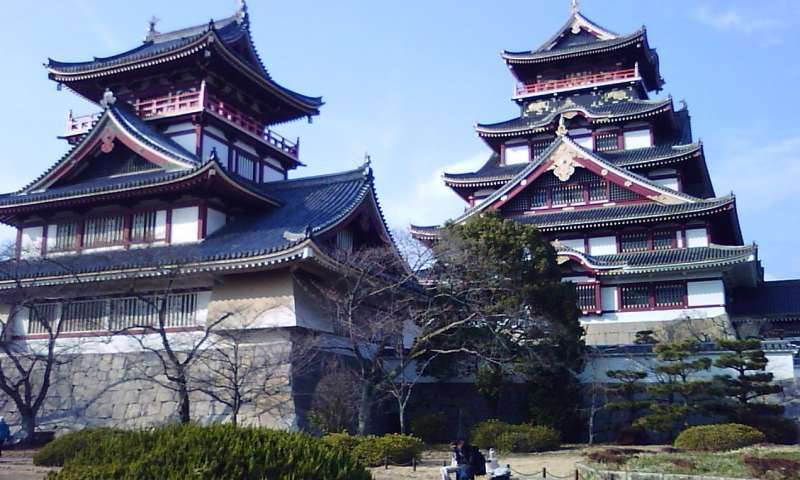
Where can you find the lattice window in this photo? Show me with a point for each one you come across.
(539, 146)
(245, 165)
(41, 316)
(605, 142)
(669, 294)
(598, 191)
(519, 203)
(663, 239)
(634, 297)
(587, 296)
(633, 242)
(621, 193)
(84, 316)
(66, 236)
(538, 197)
(567, 194)
(143, 226)
(104, 231)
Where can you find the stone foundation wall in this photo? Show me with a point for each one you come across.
(126, 390)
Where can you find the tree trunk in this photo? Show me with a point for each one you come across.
(401, 410)
(365, 408)
(183, 402)
(28, 419)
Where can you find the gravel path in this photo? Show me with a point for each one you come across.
(18, 465)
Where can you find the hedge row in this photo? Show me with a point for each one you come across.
(374, 451)
(719, 438)
(193, 452)
(514, 438)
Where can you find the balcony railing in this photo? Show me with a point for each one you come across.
(188, 102)
(545, 86)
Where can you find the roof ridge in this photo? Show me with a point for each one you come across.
(363, 171)
(160, 37)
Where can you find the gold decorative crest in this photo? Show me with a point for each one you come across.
(616, 95)
(564, 163)
(538, 107)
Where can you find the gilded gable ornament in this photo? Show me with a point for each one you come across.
(107, 143)
(616, 95)
(564, 163)
(568, 103)
(538, 107)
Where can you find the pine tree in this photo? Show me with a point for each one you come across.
(750, 381)
(678, 393)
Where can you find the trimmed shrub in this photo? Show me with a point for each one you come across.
(778, 468)
(718, 438)
(514, 438)
(396, 448)
(431, 428)
(213, 452)
(343, 440)
(63, 448)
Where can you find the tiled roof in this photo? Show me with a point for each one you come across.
(607, 112)
(122, 114)
(229, 30)
(308, 207)
(492, 172)
(680, 259)
(542, 54)
(607, 216)
(776, 298)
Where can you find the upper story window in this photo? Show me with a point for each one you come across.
(104, 231)
(516, 153)
(664, 240)
(653, 296)
(607, 141)
(539, 145)
(633, 242)
(246, 165)
(634, 297)
(144, 227)
(66, 236)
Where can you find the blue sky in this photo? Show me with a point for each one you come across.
(405, 81)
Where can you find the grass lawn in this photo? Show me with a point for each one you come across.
(729, 464)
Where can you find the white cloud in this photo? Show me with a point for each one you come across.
(737, 21)
(431, 202)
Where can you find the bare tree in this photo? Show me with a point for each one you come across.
(28, 368)
(239, 370)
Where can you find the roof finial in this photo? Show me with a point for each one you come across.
(151, 28)
(108, 99)
(574, 7)
(242, 13)
(367, 158)
(562, 127)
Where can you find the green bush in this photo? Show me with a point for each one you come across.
(343, 440)
(718, 438)
(514, 438)
(431, 428)
(397, 449)
(214, 452)
(55, 453)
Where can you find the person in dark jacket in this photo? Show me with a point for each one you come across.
(465, 457)
(5, 434)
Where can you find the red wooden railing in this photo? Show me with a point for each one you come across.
(187, 102)
(578, 81)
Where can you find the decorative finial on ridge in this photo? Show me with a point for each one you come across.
(574, 7)
(151, 28)
(241, 14)
(562, 127)
(108, 99)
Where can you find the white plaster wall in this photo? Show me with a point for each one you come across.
(577, 279)
(179, 127)
(696, 237)
(517, 153)
(781, 365)
(271, 174)
(210, 143)
(214, 220)
(32, 238)
(184, 224)
(186, 140)
(247, 148)
(709, 292)
(585, 142)
(636, 139)
(649, 315)
(575, 244)
(608, 299)
(255, 300)
(161, 224)
(671, 183)
(602, 246)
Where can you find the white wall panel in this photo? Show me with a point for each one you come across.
(709, 292)
(184, 224)
(637, 139)
(603, 245)
(517, 153)
(32, 238)
(668, 182)
(696, 237)
(575, 244)
(214, 221)
(608, 299)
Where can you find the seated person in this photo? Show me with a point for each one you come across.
(463, 460)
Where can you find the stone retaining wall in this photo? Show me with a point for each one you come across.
(127, 390)
(586, 472)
